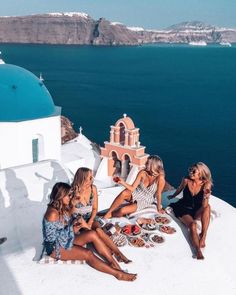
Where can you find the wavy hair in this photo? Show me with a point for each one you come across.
(59, 191)
(204, 172)
(79, 180)
(154, 165)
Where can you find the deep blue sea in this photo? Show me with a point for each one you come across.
(182, 98)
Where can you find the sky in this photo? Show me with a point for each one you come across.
(149, 14)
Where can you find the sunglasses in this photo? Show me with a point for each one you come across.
(192, 171)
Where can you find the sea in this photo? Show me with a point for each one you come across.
(183, 99)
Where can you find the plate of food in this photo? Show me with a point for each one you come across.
(162, 219)
(137, 242)
(119, 240)
(149, 226)
(157, 239)
(166, 229)
(131, 230)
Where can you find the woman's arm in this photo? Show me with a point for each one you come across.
(179, 189)
(95, 206)
(160, 186)
(135, 183)
(206, 195)
(51, 215)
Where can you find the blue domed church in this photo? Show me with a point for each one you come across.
(30, 126)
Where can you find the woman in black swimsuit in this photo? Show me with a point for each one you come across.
(194, 204)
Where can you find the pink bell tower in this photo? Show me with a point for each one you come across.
(124, 150)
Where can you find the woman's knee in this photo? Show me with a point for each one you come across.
(88, 255)
(99, 231)
(92, 235)
(193, 226)
(125, 194)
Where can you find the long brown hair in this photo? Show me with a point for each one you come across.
(79, 179)
(59, 191)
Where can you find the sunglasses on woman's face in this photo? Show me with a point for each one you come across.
(192, 171)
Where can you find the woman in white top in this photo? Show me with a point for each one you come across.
(147, 187)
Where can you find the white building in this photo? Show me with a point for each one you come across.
(30, 128)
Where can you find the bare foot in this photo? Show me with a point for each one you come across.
(200, 255)
(202, 241)
(123, 276)
(122, 258)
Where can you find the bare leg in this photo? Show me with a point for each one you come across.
(128, 209)
(191, 224)
(79, 253)
(204, 214)
(125, 195)
(110, 244)
(90, 236)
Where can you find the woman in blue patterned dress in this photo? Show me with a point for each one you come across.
(145, 190)
(61, 242)
(85, 201)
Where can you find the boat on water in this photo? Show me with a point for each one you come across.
(1, 60)
(197, 43)
(225, 44)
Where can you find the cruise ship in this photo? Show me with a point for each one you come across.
(197, 43)
(225, 44)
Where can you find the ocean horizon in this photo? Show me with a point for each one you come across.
(182, 98)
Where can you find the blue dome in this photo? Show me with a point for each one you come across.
(23, 96)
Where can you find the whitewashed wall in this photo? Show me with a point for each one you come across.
(16, 141)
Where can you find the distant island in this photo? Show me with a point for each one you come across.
(79, 28)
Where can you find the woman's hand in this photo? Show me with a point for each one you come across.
(160, 210)
(90, 223)
(80, 223)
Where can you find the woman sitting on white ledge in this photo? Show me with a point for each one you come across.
(141, 194)
(194, 204)
(60, 241)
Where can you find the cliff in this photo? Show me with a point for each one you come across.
(66, 28)
(67, 131)
(80, 28)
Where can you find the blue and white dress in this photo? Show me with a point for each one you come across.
(56, 234)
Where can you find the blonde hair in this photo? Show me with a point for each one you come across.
(204, 172)
(154, 165)
(79, 180)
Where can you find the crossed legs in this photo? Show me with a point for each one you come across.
(110, 244)
(198, 241)
(77, 252)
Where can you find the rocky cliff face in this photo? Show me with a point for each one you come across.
(80, 28)
(68, 28)
(67, 130)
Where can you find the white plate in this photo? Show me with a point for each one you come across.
(165, 216)
(120, 237)
(156, 243)
(149, 227)
(159, 228)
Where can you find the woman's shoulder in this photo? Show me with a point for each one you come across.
(51, 214)
(94, 188)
